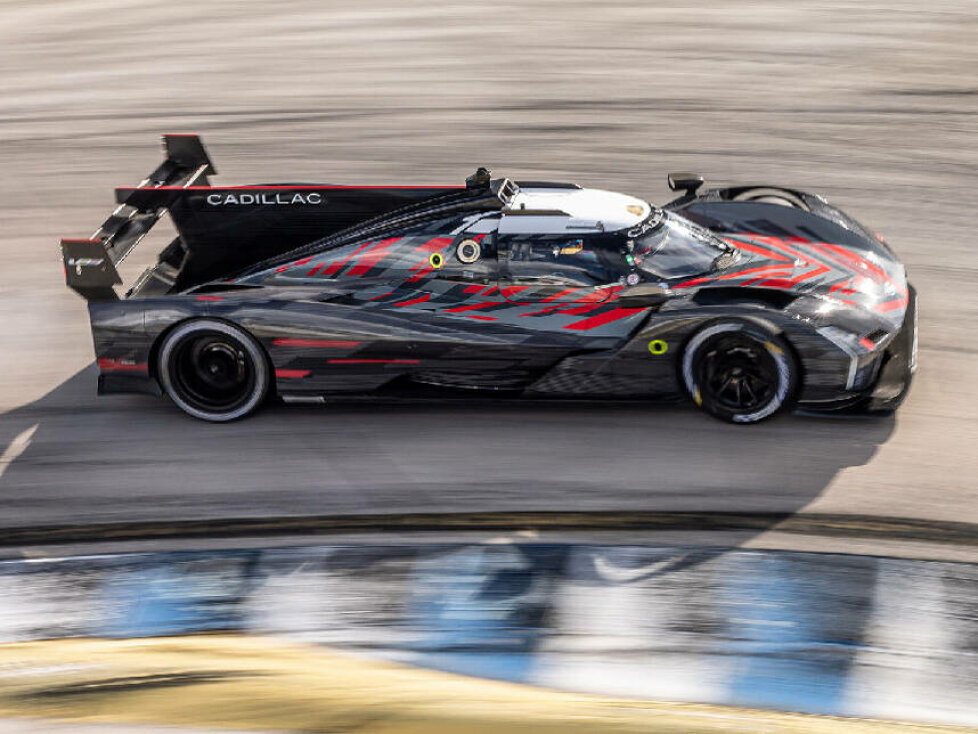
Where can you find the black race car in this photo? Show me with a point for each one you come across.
(749, 300)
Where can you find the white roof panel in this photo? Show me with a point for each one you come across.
(585, 209)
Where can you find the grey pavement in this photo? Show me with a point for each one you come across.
(875, 105)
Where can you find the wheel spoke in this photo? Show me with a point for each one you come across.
(726, 385)
(212, 371)
(738, 374)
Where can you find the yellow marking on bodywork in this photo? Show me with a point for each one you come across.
(697, 398)
(658, 346)
(773, 347)
(436, 260)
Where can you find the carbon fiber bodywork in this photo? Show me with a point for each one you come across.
(322, 348)
(391, 303)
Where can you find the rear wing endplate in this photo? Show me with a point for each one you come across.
(90, 264)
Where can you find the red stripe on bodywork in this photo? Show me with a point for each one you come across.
(117, 365)
(426, 270)
(778, 242)
(512, 290)
(481, 318)
(865, 264)
(782, 283)
(382, 295)
(691, 283)
(334, 268)
(372, 256)
(893, 305)
(218, 189)
(474, 306)
(297, 263)
(434, 244)
(818, 270)
(593, 297)
(868, 343)
(314, 343)
(764, 269)
(560, 295)
(605, 318)
(412, 301)
(290, 374)
(548, 309)
(805, 258)
(473, 288)
(209, 298)
(751, 247)
(853, 258)
(373, 361)
(576, 310)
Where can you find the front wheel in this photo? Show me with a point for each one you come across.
(213, 370)
(738, 372)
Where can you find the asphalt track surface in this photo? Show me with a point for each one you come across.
(873, 105)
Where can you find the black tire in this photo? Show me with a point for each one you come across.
(772, 196)
(738, 372)
(213, 371)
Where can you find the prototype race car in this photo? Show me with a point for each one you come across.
(749, 300)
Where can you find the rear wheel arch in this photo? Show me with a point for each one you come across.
(257, 350)
(154, 349)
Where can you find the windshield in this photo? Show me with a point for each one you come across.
(671, 247)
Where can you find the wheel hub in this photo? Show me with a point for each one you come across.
(213, 371)
(740, 376)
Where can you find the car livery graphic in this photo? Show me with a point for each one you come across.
(748, 300)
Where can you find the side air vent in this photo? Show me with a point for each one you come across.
(223, 288)
(733, 295)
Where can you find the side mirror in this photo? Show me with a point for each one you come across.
(686, 182)
(643, 295)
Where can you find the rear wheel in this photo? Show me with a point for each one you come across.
(739, 373)
(213, 370)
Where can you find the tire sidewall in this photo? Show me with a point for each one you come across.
(765, 196)
(772, 343)
(251, 348)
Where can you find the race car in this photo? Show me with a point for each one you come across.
(748, 300)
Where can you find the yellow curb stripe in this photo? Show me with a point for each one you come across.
(242, 682)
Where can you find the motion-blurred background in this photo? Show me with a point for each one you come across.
(872, 104)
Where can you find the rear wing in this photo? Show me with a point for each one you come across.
(224, 229)
(90, 264)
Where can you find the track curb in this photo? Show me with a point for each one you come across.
(818, 524)
(241, 681)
